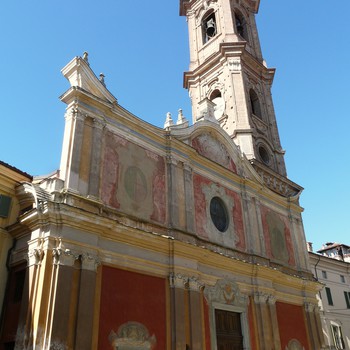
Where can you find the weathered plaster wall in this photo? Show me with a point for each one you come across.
(278, 241)
(204, 190)
(133, 179)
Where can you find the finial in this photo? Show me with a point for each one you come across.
(168, 121)
(181, 119)
(102, 79)
(86, 56)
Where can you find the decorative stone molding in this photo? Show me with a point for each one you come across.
(132, 335)
(178, 281)
(195, 285)
(294, 345)
(90, 262)
(35, 256)
(234, 65)
(64, 257)
(272, 300)
(311, 307)
(261, 298)
(226, 292)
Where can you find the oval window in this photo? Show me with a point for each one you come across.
(218, 214)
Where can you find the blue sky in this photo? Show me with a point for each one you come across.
(142, 48)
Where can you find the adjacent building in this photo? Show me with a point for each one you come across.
(10, 178)
(187, 237)
(331, 267)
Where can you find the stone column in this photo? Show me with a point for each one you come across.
(74, 152)
(189, 198)
(65, 286)
(24, 337)
(274, 322)
(94, 177)
(172, 194)
(196, 316)
(86, 301)
(314, 326)
(265, 338)
(178, 312)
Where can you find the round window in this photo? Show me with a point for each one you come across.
(264, 155)
(218, 214)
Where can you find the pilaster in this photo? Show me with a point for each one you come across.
(177, 290)
(96, 148)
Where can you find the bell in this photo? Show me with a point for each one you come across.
(211, 28)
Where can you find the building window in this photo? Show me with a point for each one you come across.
(342, 279)
(5, 203)
(338, 337)
(264, 155)
(218, 213)
(209, 29)
(255, 103)
(347, 299)
(324, 274)
(241, 26)
(228, 330)
(329, 296)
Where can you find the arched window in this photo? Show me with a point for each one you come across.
(209, 29)
(241, 25)
(255, 103)
(219, 108)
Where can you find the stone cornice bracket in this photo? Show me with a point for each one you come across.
(178, 281)
(35, 256)
(64, 257)
(90, 262)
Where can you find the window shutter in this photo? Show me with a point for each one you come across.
(329, 296)
(347, 299)
(5, 203)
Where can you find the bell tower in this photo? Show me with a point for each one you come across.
(228, 80)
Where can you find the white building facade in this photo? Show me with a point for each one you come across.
(334, 299)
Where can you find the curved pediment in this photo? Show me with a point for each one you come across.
(213, 143)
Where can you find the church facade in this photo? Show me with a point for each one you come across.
(187, 237)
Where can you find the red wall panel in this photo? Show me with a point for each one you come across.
(128, 296)
(291, 324)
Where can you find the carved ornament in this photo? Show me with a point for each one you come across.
(132, 335)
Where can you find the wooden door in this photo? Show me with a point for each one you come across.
(228, 330)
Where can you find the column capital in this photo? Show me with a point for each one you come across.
(64, 257)
(261, 298)
(35, 256)
(178, 281)
(90, 261)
